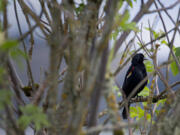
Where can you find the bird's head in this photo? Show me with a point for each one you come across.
(138, 59)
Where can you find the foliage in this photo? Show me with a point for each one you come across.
(122, 24)
(174, 67)
(84, 36)
(116, 89)
(130, 2)
(144, 92)
(5, 98)
(11, 46)
(149, 66)
(138, 113)
(160, 104)
(1, 5)
(80, 8)
(32, 114)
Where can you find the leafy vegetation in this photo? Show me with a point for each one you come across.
(32, 114)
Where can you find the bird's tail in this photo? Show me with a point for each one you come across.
(124, 113)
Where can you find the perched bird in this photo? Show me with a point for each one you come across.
(135, 74)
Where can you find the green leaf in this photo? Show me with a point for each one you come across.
(125, 25)
(115, 88)
(136, 112)
(160, 103)
(2, 73)
(157, 111)
(177, 52)
(130, 3)
(144, 92)
(120, 4)
(144, 103)
(132, 26)
(146, 28)
(32, 114)
(80, 8)
(164, 42)
(140, 44)
(17, 53)
(1, 5)
(141, 112)
(148, 117)
(133, 112)
(5, 98)
(9, 44)
(149, 66)
(122, 24)
(174, 68)
(114, 35)
(119, 94)
(156, 34)
(24, 121)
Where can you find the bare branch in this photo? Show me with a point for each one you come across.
(164, 8)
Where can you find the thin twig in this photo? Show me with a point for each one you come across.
(109, 127)
(25, 49)
(164, 8)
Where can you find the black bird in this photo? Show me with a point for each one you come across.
(135, 74)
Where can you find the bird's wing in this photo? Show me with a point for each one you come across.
(132, 78)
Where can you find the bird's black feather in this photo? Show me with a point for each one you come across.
(135, 74)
